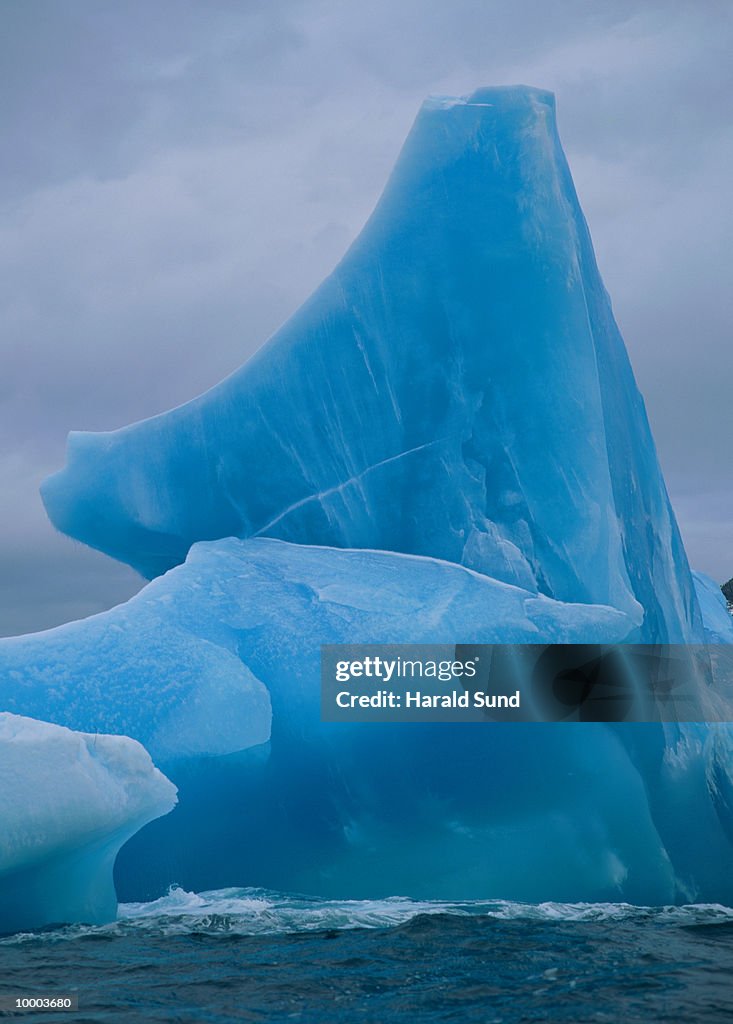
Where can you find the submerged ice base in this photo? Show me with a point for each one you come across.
(68, 802)
(272, 796)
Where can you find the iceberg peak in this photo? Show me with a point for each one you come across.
(495, 96)
(457, 389)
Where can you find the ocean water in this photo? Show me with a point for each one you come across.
(251, 955)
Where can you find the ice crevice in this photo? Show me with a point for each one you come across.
(337, 488)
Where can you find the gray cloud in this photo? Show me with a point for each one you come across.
(180, 175)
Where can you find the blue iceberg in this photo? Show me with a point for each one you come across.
(215, 668)
(68, 802)
(457, 388)
(444, 445)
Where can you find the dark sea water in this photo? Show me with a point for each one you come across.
(249, 955)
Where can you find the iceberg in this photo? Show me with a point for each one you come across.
(68, 802)
(215, 668)
(445, 444)
(457, 388)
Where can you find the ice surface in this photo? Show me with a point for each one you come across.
(456, 388)
(444, 811)
(182, 666)
(67, 804)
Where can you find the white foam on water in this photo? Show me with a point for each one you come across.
(260, 912)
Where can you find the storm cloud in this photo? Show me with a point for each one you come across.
(178, 176)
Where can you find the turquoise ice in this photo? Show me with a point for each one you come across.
(457, 388)
(445, 444)
(214, 667)
(179, 667)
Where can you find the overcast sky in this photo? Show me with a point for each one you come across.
(178, 175)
